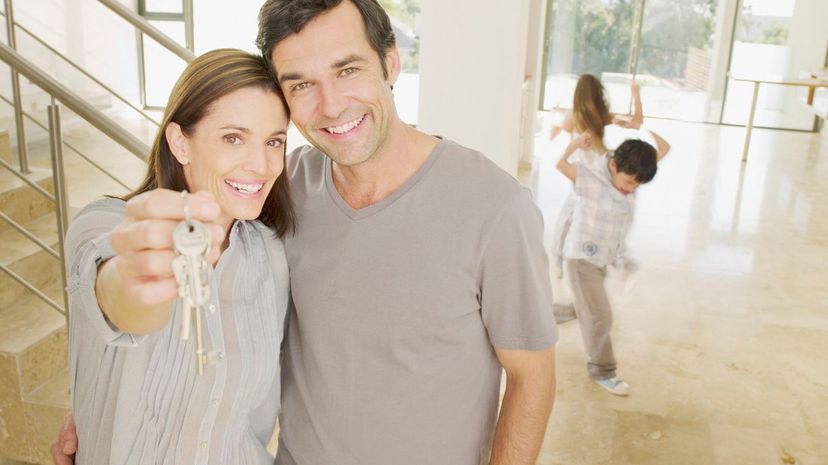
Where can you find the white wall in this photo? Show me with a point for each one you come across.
(472, 64)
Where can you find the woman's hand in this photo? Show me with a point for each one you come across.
(136, 287)
(143, 242)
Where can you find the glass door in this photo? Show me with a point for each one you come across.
(677, 52)
(774, 39)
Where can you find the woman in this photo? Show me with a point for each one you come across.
(136, 396)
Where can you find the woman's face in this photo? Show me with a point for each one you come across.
(236, 151)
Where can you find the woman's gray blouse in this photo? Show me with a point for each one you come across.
(138, 399)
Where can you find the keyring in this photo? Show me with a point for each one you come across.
(187, 216)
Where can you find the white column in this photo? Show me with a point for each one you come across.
(534, 79)
(720, 57)
(472, 66)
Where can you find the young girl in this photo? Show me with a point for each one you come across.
(590, 112)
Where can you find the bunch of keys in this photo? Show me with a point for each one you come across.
(191, 240)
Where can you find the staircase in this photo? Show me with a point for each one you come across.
(104, 136)
(34, 388)
(34, 383)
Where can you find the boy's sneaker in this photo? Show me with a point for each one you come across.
(615, 386)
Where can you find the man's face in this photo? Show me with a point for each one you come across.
(334, 84)
(624, 182)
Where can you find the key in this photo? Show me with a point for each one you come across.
(180, 271)
(191, 240)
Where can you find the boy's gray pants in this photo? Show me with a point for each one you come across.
(592, 308)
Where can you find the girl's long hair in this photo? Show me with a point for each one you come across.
(590, 109)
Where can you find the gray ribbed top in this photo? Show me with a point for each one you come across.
(138, 400)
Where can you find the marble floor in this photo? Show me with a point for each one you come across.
(724, 336)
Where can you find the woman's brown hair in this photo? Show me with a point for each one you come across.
(206, 79)
(590, 110)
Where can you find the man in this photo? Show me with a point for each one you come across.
(417, 268)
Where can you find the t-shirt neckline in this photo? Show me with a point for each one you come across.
(362, 213)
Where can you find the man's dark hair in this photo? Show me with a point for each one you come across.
(278, 19)
(636, 158)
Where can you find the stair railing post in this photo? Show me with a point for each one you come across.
(22, 156)
(189, 34)
(62, 211)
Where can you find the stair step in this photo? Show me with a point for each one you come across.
(14, 246)
(33, 351)
(5, 152)
(31, 262)
(20, 201)
(84, 182)
(53, 392)
(27, 323)
(45, 409)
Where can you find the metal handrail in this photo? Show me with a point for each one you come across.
(59, 177)
(74, 103)
(22, 156)
(147, 28)
(85, 73)
(72, 147)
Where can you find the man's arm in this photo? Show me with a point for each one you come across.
(527, 404)
(583, 141)
(66, 444)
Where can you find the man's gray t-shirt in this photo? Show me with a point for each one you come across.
(389, 356)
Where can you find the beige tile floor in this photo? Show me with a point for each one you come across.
(724, 338)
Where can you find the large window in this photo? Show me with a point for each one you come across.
(589, 36)
(667, 45)
(404, 15)
(677, 48)
(680, 51)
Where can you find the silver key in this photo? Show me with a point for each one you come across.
(179, 266)
(191, 240)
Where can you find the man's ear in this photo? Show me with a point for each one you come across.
(612, 166)
(179, 145)
(392, 64)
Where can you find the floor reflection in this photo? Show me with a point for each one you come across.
(723, 337)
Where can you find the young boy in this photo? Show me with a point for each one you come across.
(601, 215)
